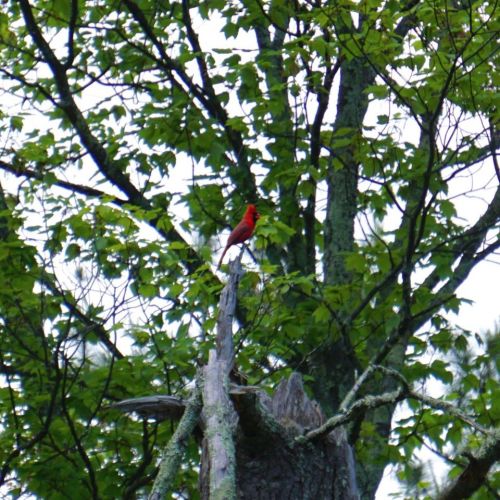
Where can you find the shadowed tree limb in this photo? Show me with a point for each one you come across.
(475, 472)
(27, 173)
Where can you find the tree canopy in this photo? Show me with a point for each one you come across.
(134, 132)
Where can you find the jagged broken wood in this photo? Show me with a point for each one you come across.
(271, 463)
(227, 308)
(160, 407)
(268, 445)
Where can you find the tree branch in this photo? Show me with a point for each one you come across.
(176, 447)
(110, 169)
(359, 408)
(71, 34)
(474, 473)
(77, 439)
(227, 308)
(467, 245)
(449, 409)
(27, 173)
(91, 325)
(160, 407)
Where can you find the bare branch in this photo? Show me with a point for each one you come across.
(28, 173)
(218, 411)
(360, 407)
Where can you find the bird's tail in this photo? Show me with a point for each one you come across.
(221, 258)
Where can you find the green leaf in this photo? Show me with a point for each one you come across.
(147, 291)
(439, 370)
(321, 314)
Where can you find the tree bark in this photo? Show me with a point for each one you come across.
(273, 464)
(220, 424)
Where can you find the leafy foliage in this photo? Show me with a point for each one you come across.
(134, 132)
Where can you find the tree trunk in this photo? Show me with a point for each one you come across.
(272, 464)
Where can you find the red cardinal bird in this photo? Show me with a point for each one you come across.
(242, 231)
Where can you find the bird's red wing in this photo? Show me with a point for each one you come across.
(240, 233)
